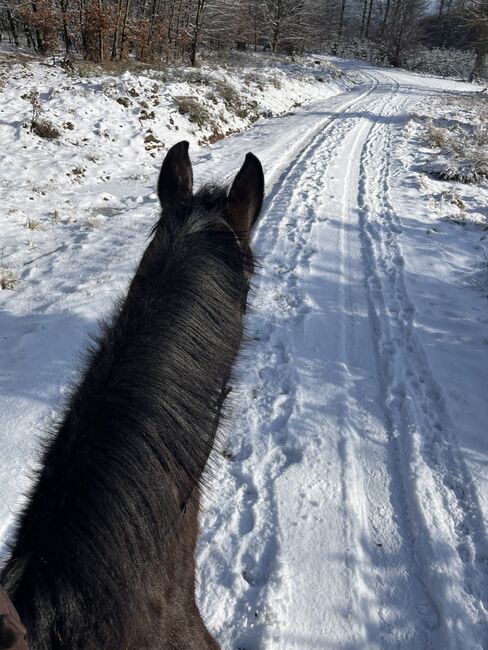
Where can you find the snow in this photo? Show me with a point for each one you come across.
(348, 508)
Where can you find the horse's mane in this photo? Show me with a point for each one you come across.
(130, 446)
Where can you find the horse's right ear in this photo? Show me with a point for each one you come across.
(175, 184)
(245, 198)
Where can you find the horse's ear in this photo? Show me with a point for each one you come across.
(245, 198)
(175, 184)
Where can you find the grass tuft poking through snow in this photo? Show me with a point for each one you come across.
(32, 224)
(462, 143)
(8, 278)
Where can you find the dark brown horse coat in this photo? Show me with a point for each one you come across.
(12, 632)
(103, 553)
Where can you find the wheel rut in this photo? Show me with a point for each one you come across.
(424, 452)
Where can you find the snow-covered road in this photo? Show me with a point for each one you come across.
(348, 509)
(349, 518)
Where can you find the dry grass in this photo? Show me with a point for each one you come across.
(260, 80)
(32, 224)
(436, 136)
(229, 94)
(45, 129)
(463, 145)
(195, 76)
(8, 278)
(196, 112)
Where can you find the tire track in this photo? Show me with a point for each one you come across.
(377, 576)
(299, 199)
(270, 399)
(423, 448)
(289, 218)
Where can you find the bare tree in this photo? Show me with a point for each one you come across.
(402, 29)
(477, 20)
(197, 28)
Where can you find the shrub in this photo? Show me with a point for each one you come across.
(255, 78)
(212, 97)
(197, 113)
(35, 102)
(91, 222)
(479, 278)
(440, 61)
(39, 125)
(45, 129)
(275, 82)
(230, 95)
(436, 136)
(463, 156)
(358, 48)
(234, 102)
(195, 77)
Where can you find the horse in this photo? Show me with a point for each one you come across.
(103, 556)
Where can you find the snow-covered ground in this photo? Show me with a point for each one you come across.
(350, 501)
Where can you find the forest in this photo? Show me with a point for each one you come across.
(171, 31)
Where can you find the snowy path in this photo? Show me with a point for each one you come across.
(345, 514)
(357, 523)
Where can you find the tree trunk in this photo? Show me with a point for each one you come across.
(29, 37)
(478, 71)
(67, 40)
(255, 32)
(363, 19)
(385, 18)
(41, 46)
(197, 30)
(185, 29)
(177, 30)
(171, 18)
(341, 20)
(84, 41)
(149, 41)
(400, 39)
(445, 23)
(117, 34)
(277, 26)
(12, 27)
(368, 21)
(124, 27)
(101, 53)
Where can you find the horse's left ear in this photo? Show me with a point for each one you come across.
(175, 184)
(245, 198)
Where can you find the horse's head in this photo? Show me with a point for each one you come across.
(234, 211)
(242, 205)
